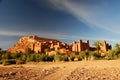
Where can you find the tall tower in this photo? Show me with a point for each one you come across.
(74, 47)
(87, 45)
(80, 47)
(104, 46)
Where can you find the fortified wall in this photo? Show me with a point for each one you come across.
(39, 45)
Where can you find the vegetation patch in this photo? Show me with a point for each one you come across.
(21, 58)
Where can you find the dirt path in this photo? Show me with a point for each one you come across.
(87, 70)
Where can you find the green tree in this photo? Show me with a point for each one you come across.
(6, 56)
(98, 44)
(110, 54)
(85, 55)
(117, 49)
(16, 55)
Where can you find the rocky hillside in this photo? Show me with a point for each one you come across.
(36, 44)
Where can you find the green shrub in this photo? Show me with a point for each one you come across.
(78, 57)
(118, 56)
(50, 58)
(44, 57)
(72, 57)
(5, 63)
(65, 58)
(91, 55)
(97, 56)
(40, 57)
(110, 55)
(23, 57)
(6, 56)
(0, 61)
(16, 55)
(58, 58)
(28, 58)
(37, 57)
(32, 57)
(9, 62)
(82, 55)
(88, 55)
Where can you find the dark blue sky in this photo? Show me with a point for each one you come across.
(65, 20)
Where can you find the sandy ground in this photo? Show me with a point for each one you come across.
(81, 70)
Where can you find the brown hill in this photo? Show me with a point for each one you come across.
(37, 44)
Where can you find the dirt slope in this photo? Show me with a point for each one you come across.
(83, 70)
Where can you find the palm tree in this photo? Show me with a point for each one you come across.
(117, 49)
(97, 44)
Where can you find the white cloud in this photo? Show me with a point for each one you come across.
(53, 35)
(11, 33)
(95, 15)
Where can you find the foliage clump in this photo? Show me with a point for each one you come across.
(21, 58)
(59, 57)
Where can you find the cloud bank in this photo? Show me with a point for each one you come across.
(53, 35)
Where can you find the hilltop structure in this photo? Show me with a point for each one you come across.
(38, 45)
(42, 45)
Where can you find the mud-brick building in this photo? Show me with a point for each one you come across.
(39, 45)
(105, 46)
(82, 46)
